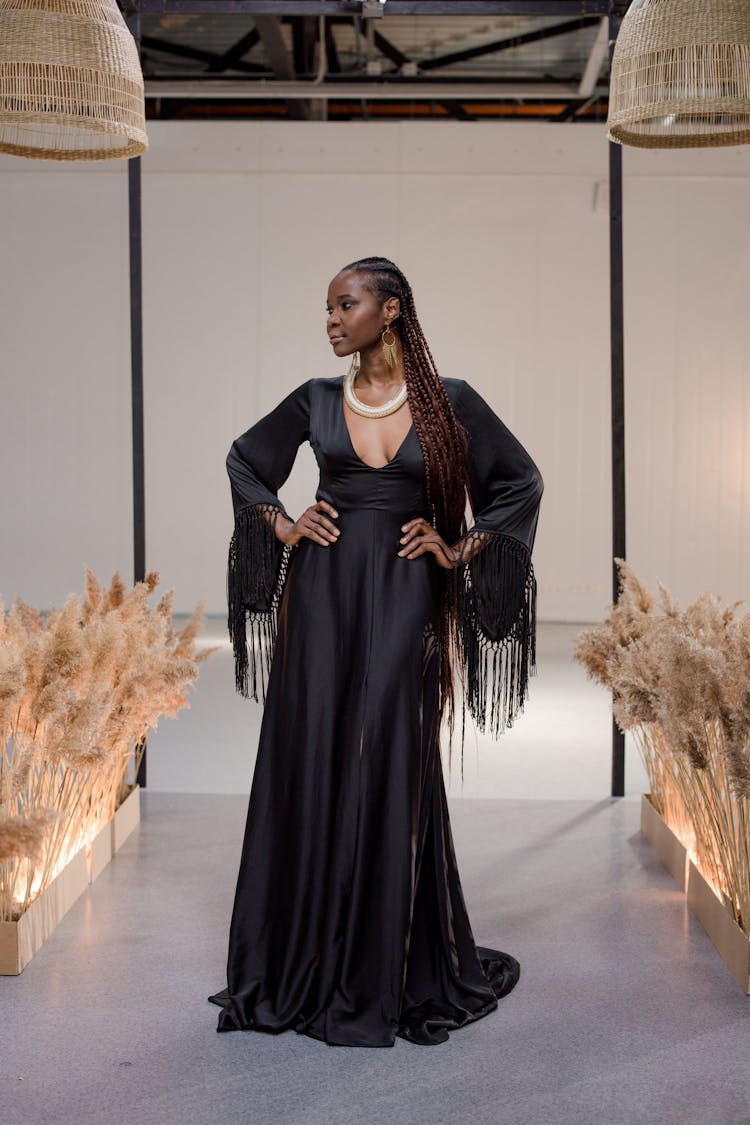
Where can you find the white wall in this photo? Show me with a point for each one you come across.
(65, 449)
(688, 374)
(503, 232)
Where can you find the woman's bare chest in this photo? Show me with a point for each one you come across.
(377, 441)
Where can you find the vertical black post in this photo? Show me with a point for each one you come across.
(617, 318)
(136, 369)
(136, 365)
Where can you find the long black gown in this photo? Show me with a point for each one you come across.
(349, 923)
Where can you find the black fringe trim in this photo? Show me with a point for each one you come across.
(256, 574)
(496, 604)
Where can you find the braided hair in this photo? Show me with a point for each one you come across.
(444, 444)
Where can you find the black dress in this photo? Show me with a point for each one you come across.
(349, 923)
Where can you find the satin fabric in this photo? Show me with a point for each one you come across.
(349, 923)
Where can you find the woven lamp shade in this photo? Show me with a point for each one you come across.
(71, 86)
(681, 74)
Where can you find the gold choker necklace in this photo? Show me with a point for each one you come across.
(362, 407)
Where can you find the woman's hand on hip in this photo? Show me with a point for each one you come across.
(313, 524)
(420, 538)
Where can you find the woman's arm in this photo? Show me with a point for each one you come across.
(261, 459)
(495, 582)
(258, 463)
(506, 485)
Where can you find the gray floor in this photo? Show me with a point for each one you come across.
(624, 1012)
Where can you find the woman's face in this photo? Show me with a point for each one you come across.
(356, 318)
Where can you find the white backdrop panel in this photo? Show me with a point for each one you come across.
(65, 453)
(688, 384)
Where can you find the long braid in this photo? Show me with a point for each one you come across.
(444, 442)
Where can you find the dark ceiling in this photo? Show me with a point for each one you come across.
(546, 61)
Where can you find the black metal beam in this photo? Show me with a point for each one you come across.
(457, 110)
(235, 54)
(539, 33)
(333, 66)
(184, 51)
(447, 80)
(304, 38)
(617, 333)
(391, 52)
(572, 110)
(350, 109)
(562, 8)
(169, 109)
(136, 367)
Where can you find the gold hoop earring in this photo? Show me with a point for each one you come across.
(389, 348)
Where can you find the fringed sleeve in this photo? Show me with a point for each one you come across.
(495, 582)
(258, 463)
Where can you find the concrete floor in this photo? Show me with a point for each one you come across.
(624, 1012)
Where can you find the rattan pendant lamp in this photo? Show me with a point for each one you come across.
(681, 74)
(71, 86)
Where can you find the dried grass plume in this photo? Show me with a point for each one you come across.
(80, 687)
(680, 683)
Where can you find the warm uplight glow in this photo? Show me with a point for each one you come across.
(83, 839)
(84, 686)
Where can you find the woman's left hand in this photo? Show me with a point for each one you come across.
(421, 538)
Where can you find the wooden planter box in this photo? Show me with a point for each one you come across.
(732, 944)
(662, 839)
(718, 922)
(20, 940)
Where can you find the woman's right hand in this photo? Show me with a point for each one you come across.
(312, 524)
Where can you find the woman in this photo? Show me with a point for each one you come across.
(349, 923)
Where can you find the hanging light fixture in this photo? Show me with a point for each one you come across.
(681, 74)
(71, 86)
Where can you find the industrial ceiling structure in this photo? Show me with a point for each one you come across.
(545, 60)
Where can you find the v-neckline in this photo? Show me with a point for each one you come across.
(373, 468)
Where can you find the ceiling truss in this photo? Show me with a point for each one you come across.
(355, 59)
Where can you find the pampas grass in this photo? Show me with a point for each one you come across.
(680, 681)
(79, 689)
